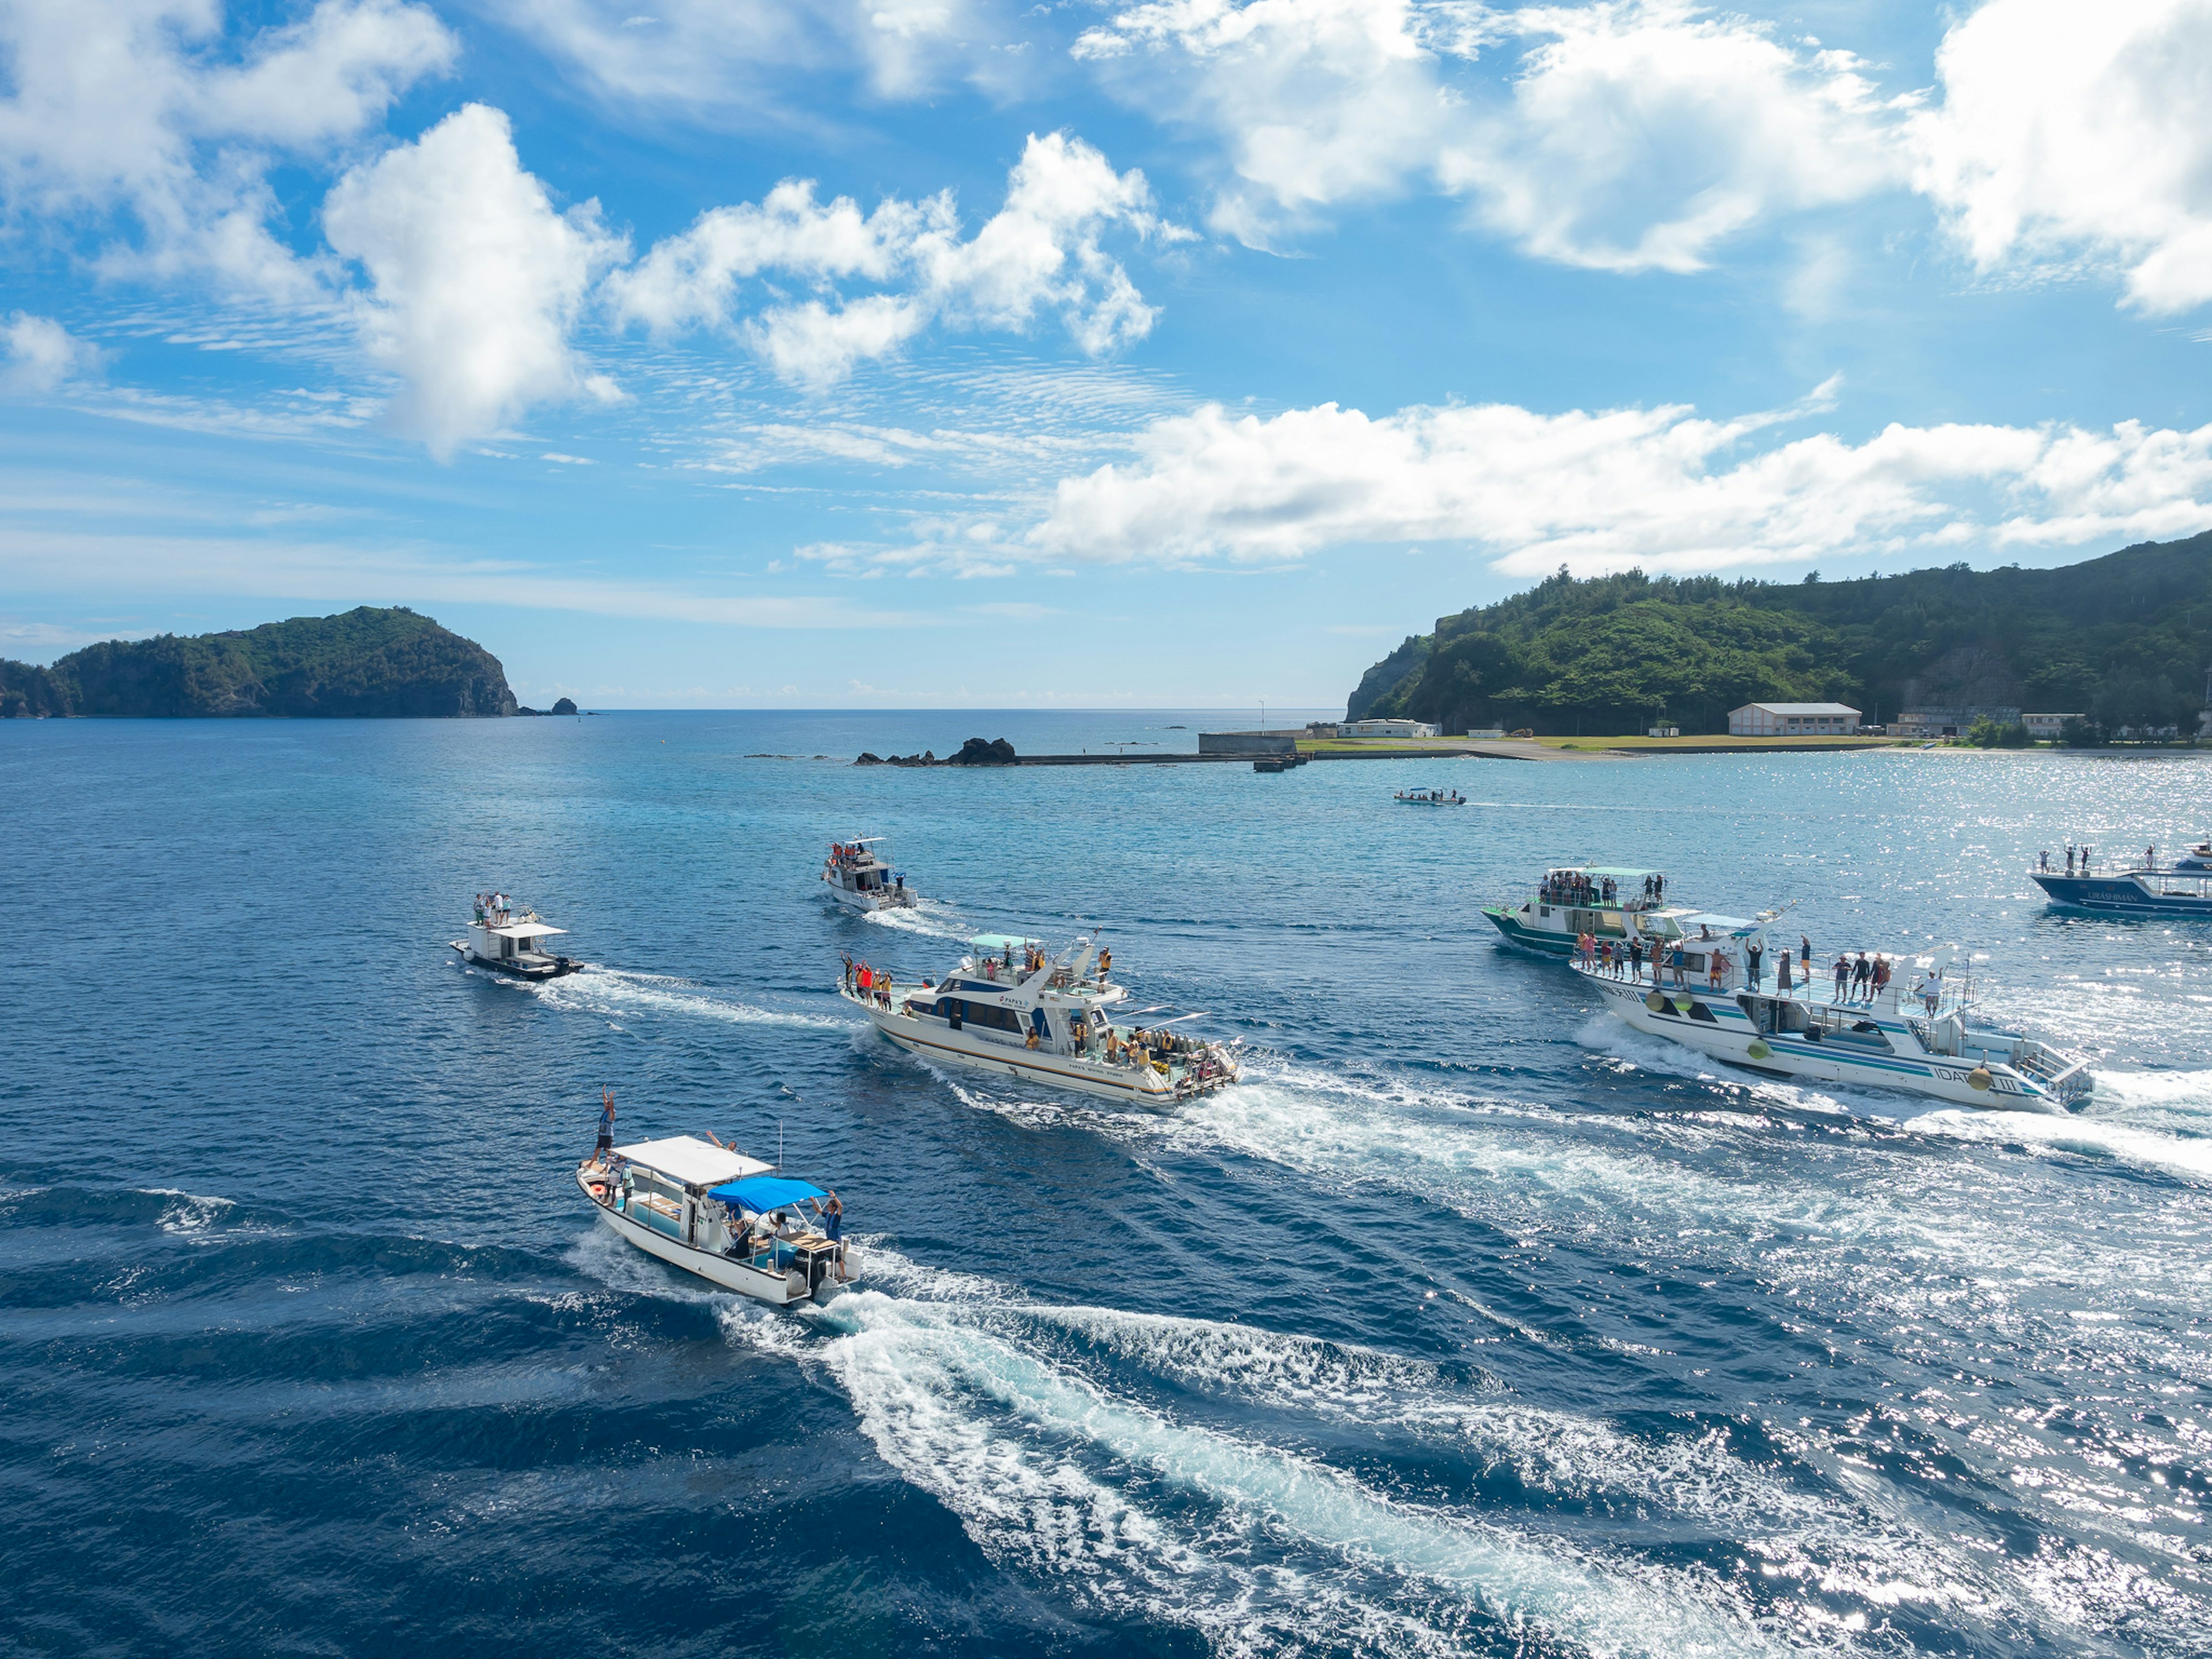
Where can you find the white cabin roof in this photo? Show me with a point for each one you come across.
(524, 930)
(691, 1162)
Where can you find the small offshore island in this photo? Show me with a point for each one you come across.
(365, 663)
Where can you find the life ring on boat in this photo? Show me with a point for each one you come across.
(1759, 1050)
(1655, 1002)
(1979, 1079)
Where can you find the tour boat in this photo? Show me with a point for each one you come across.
(1609, 900)
(734, 1221)
(2183, 888)
(1010, 1008)
(1430, 797)
(506, 938)
(857, 878)
(1918, 1040)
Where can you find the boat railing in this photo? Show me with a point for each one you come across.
(1954, 997)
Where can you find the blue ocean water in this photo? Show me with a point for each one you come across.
(1470, 1322)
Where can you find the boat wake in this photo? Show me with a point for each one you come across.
(1165, 1468)
(2088, 1135)
(927, 918)
(615, 993)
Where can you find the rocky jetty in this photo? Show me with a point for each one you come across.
(973, 753)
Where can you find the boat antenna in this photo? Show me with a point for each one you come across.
(779, 1144)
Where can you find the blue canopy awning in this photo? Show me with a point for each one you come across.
(761, 1194)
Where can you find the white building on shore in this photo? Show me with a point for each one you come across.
(1386, 729)
(1793, 720)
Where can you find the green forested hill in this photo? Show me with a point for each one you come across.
(2126, 638)
(367, 662)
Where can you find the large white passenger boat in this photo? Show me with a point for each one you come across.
(508, 937)
(1008, 1007)
(1917, 1039)
(858, 878)
(733, 1220)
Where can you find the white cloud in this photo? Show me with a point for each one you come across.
(476, 281)
(736, 61)
(1658, 488)
(1040, 252)
(1629, 135)
(138, 123)
(2069, 131)
(38, 354)
(1640, 135)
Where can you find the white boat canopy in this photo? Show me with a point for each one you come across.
(691, 1162)
(1725, 927)
(525, 930)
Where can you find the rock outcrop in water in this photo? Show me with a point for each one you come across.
(365, 664)
(976, 752)
(973, 753)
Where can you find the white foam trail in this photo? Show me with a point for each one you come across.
(192, 1214)
(2094, 1137)
(928, 918)
(917, 1373)
(2139, 1088)
(612, 991)
(968, 1395)
(1508, 1168)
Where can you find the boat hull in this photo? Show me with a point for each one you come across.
(555, 969)
(1559, 946)
(2117, 895)
(1056, 1070)
(778, 1290)
(1730, 1038)
(889, 898)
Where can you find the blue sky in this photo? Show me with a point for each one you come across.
(940, 352)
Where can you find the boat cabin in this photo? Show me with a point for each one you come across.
(857, 876)
(511, 939)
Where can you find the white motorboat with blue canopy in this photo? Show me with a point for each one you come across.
(1010, 1007)
(733, 1220)
(509, 938)
(1701, 987)
(859, 879)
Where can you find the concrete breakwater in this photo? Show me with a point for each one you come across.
(976, 752)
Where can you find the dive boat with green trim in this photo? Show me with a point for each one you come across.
(1921, 1041)
(1009, 1007)
(1610, 901)
(736, 1222)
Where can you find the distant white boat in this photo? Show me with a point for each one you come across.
(1430, 797)
(508, 937)
(858, 878)
(1010, 1008)
(733, 1220)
